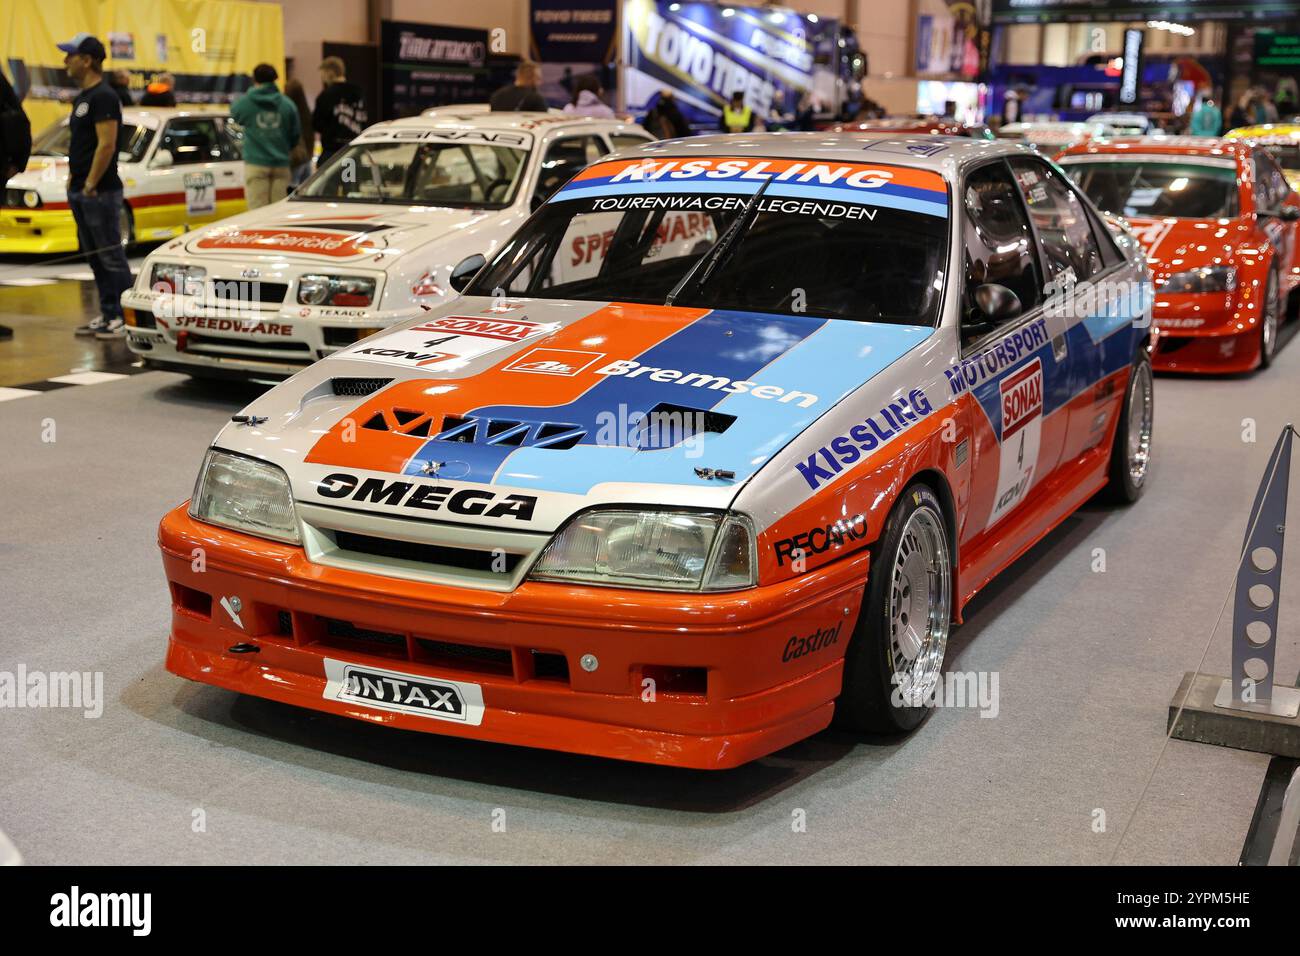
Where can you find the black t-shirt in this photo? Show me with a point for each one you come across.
(339, 116)
(92, 106)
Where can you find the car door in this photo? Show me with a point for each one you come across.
(1272, 192)
(1008, 364)
(195, 160)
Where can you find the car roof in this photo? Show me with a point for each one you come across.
(943, 154)
(157, 115)
(476, 118)
(1207, 146)
(1275, 131)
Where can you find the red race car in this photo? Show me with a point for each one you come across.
(1219, 223)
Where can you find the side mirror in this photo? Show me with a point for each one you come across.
(163, 158)
(997, 302)
(1286, 213)
(468, 268)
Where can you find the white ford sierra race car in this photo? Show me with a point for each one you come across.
(370, 240)
(688, 503)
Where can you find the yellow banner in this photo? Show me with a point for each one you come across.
(209, 46)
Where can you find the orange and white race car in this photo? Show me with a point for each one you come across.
(692, 502)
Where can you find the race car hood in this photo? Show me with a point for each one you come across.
(1178, 245)
(564, 404)
(328, 233)
(48, 175)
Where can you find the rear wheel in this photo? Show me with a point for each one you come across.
(895, 659)
(126, 227)
(1271, 321)
(1130, 455)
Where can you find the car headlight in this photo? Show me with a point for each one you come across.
(1209, 279)
(663, 550)
(352, 291)
(177, 278)
(31, 198)
(245, 494)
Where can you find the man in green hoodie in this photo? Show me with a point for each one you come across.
(271, 129)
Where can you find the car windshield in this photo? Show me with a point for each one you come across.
(839, 240)
(425, 174)
(132, 141)
(1157, 189)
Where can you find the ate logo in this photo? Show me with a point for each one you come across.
(567, 362)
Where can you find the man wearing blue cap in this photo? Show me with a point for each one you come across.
(94, 188)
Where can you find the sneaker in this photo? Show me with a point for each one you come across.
(91, 327)
(112, 329)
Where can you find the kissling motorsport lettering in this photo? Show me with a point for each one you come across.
(971, 372)
(877, 429)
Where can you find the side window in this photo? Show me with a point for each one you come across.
(232, 141)
(192, 140)
(1064, 229)
(1269, 182)
(999, 242)
(563, 158)
(628, 139)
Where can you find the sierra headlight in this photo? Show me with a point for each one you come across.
(176, 278)
(351, 291)
(663, 550)
(31, 198)
(245, 494)
(1209, 279)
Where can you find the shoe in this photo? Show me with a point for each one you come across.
(91, 327)
(112, 329)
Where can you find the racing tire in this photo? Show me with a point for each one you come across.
(126, 225)
(1271, 321)
(1130, 452)
(895, 657)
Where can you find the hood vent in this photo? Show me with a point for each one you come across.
(510, 433)
(358, 387)
(667, 425)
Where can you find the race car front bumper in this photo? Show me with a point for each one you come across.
(270, 342)
(35, 231)
(690, 680)
(1213, 333)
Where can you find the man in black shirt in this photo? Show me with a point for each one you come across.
(524, 94)
(94, 189)
(340, 112)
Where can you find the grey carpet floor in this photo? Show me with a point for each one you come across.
(175, 772)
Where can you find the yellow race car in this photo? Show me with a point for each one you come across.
(1280, 139)
(180, 169)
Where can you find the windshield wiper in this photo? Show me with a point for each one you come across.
(699, 273)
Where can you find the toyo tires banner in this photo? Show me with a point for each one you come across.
(705, 53)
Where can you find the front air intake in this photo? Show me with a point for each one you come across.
(358, 387)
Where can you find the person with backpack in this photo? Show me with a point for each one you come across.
(271, 130)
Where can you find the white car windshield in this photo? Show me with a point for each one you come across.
(132, 141)
(425, 174)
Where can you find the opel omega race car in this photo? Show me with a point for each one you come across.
(1218, 220)
(180, 169)
(691, 503)
(371, 239)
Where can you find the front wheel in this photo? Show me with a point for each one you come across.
(895, 659)
(1130, 455)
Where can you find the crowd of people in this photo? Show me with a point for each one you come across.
(1255, 107)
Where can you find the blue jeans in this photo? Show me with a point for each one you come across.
(99, 231)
